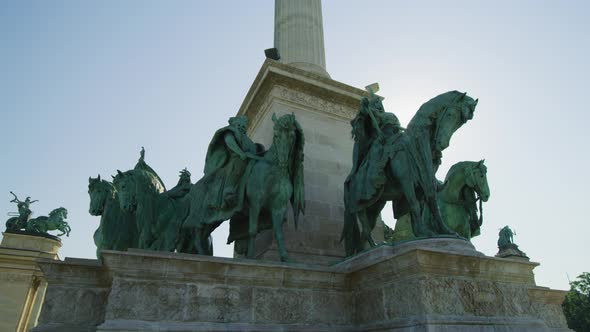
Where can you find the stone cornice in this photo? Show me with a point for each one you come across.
(298, 86)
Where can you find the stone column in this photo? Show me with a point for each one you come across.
(299, 34)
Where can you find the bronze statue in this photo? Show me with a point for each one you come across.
(393, 164)
(235, 166)
(273, 182)
(19, 222)
(460, 199)
(505, 237)
(55, 221)
(42, 224)
(506, 246)
(117, 229)
(158, 213)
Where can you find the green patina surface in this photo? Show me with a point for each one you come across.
(241, 182)
(399, 165)
(43, 224)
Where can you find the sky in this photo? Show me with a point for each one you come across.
(83, 85)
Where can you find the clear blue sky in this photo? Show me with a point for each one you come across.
(83, 85)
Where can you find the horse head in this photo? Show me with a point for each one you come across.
(284, 136)
(58, 214)
(467, 175)
(99, 191)
(455, 110)
(126, 187)
(136, 186)
(476, 178)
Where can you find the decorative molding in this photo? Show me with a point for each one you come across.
(314, 102)
(257, 118)
(301, 99)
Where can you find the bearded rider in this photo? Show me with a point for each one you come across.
(227, 159)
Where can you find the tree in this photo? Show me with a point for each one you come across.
(576, 305)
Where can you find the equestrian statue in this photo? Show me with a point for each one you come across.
(41, 225)
(248, 185)
(460, 199)
(394, 164)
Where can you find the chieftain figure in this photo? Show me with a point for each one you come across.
(241, 182)
(138, 190)
(248, 185)
(227, 158)
(219, 194)
(393, 164)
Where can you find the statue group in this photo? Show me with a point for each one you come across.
(22, 221)
(242, 181)
(394, 164)
(252, 187)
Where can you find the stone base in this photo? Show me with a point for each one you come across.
(428, 285)
(22, 286)
(511, 251)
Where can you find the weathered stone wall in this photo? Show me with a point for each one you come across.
(214, 290)
(76, 298)
(411, 287)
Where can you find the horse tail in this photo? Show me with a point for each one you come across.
(298, 197)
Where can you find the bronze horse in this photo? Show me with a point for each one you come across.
(405, 167)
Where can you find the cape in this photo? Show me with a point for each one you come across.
(217, 152)
(206, 192)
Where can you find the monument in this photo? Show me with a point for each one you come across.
(313, 160)
(22, 285)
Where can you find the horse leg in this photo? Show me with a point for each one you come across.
(410, 195)
(440, 224)
(197, 241)
(366, 228)
(252, 228)
(373, 213)
(277, 225)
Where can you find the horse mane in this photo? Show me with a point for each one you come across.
(96, 182)
(150, 180)
(56, 211)
(458, 167)
(431, 109)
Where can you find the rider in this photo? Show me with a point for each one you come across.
(227, 158)
(182, 187)
(376, 134)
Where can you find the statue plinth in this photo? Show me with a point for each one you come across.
(21, 281)
(439, 284)
(511, 250)
(324, 108)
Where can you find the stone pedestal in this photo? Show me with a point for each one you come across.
(22, 286)
(428, 285)
(511, 250)
(324, 108)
